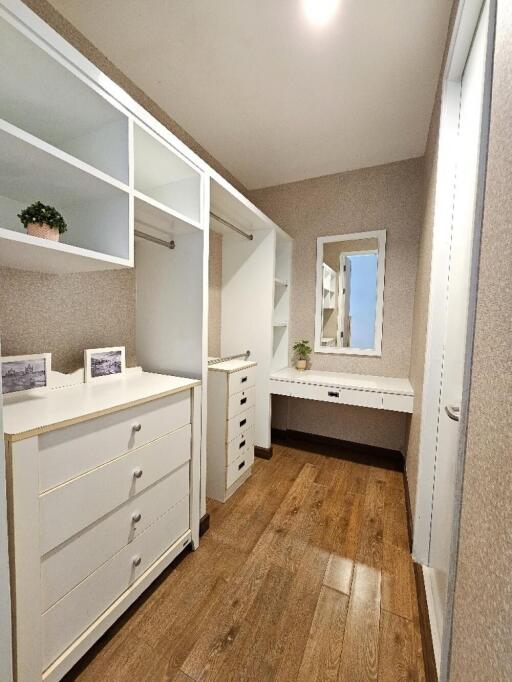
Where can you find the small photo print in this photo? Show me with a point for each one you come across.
(101, 363)
(23, 373)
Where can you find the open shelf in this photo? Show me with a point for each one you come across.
(165, 179)
(153, 214)
(44, 98)
(280, 282)
(279, 324)
(96, 211)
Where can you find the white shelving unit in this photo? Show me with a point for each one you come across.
(282, 275)
(329, 287)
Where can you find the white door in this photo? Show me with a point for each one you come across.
(467, 150)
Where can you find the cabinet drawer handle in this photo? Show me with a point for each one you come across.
(136, 560)
(243, 401)
(241, 445)
(137, 427)
(137, 472)
(333, 394)
(136, 517)
(243, 422)
(241, 465)
(243, 380)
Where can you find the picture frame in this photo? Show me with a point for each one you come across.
(24, 373)
(104, 364)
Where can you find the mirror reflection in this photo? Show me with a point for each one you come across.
(349, 293)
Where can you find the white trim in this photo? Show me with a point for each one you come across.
(435, 631)
(380, 235)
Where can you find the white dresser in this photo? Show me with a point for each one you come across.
(230, 442)
(103, 484)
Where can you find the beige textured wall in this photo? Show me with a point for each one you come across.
(52, 17)
(64, 314)
(384, 197)
(214, 294)
(482, 628)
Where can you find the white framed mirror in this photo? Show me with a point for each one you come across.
(350, 293)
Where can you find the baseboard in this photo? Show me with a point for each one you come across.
(408, 509)
(204, 524)
(429, 658)
(263, 453)
(342, 449)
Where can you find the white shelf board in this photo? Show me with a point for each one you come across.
(151, 213)
(280, 282)
(280, 324)
(20, 251)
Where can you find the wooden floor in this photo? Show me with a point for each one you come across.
(304, 575)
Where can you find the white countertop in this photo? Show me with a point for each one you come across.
(362, 382)
(31, 414)
(231, 366)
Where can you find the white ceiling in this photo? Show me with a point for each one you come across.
(272, 97)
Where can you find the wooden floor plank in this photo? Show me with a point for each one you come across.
(304, 574)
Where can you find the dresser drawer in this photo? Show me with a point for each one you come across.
(239, 467)
(361, 398)
(69, 564)
(71, 451)
(239, 402)
(280, 387)
(237, 425)
(241, 380)
(238, 445)
(397, 403)
(74, 613)
(69, 508)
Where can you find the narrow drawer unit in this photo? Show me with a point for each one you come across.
(241, 380)
(238, 445)
(71, 616)
(66, 566)
(92, 495)
(237, 425)
(239, 402)
(239, 466)
(73, 450)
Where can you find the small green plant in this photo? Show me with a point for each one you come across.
(302, 349)
(39, 213)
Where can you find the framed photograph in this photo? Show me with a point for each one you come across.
(104, 363)
(25, 372)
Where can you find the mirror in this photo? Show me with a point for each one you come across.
(350, 293)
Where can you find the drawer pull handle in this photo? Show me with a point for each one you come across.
(243, 422)
(136, 517)
(241, 465)
(136, 560)
(243, 380)
(241, 444)
(137, 427)
(137, 472)
(333, 394)
(243, 401)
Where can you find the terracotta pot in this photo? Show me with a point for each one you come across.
(301, 364)
(43, 231)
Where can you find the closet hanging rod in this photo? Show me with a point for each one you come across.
(231, 226)
(230, 357)
(170, 245)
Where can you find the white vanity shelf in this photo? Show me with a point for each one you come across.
(382, 393)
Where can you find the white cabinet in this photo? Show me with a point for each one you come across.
(93, 520)
(230, 442)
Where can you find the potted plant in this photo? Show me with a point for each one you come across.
(302, 350)
(43, 221)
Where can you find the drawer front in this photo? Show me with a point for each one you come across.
(73, 614)
(333, 394)
(237, 425)
(239, 402)
(239, 467)
(64, 568)
(311, 392)
(362, 398)
(397, 403)
(280, 387)
(66, 510)
(69, 452)
(241, 380)
(238, 445)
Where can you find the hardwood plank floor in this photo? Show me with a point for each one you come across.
(305, 574)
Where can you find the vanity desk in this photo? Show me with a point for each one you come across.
(103, 491)
(361, 390)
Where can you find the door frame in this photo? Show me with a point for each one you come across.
(466, 21)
